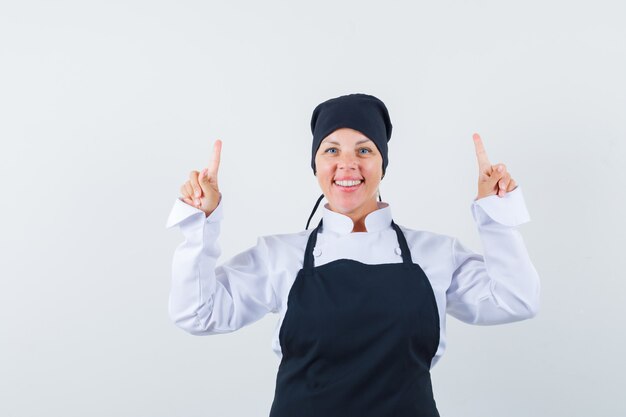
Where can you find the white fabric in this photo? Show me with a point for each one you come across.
(501, 286)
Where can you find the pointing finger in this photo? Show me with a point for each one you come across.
(481, 154)
(215, 160)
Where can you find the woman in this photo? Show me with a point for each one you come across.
(361, 300)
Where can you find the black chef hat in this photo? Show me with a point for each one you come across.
(361, 112)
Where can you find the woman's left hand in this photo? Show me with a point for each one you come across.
(492, 179)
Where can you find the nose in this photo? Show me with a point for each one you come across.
(347, 161)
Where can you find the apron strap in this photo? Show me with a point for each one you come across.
(404, 247)
(308, 252)
(317, 203)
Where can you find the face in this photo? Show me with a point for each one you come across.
(347, 154)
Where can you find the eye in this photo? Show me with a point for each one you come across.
(330, 149)
(365, 149)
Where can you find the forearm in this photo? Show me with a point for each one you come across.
(515, 287)
(193, 274)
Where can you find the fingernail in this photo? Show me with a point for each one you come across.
(197, 202)
(197, 193)
(500, 168)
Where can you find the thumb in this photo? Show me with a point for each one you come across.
(207, 182)
(497, 172)
(203, 180)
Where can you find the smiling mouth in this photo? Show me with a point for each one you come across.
(348, 185)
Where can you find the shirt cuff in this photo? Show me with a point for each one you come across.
(182, 211)
(509, 210)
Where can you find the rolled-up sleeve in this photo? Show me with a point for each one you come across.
(502, 286)
(208, 299)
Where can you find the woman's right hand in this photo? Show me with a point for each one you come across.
(201, 190)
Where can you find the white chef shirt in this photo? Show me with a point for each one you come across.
(500, 287)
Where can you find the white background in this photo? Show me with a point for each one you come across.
(106, 107)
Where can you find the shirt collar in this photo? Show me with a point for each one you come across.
(375, 221)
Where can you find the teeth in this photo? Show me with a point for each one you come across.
(348, 183)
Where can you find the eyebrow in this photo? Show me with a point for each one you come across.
(358, 143)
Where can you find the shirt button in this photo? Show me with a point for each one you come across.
(398, 251)
(317, 251)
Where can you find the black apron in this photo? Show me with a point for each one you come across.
(357, 340)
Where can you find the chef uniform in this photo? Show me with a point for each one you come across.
(360, 327)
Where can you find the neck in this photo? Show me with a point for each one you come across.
(359, 225)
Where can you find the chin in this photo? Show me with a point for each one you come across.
(345, 207)
(346, 203)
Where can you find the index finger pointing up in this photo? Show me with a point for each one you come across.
(481, 154)
(215, 160)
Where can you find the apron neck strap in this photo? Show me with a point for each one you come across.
(308, 252)
(317, 203)
(404, 247)
(313, 212)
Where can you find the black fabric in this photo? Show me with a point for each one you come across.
(361, 112)
(358, 340)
